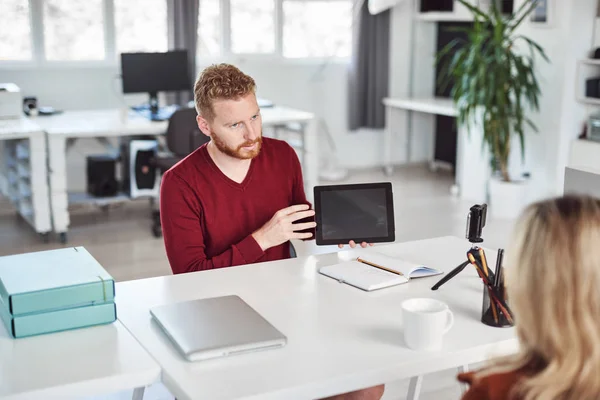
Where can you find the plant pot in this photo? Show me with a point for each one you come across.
(507, 199)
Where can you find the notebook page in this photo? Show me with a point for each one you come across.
(407, 268)
(362, 275)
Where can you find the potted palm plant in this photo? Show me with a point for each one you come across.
(494, 80)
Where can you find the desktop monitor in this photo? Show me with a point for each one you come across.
(155, 72)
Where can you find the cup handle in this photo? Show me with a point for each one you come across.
(450, 322)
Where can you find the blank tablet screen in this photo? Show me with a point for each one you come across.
(362, 212)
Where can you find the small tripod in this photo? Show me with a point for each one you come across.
(475, 255)
(497, 307)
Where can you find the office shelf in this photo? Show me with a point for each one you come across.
(589, 100)
(589, 61)
(587, 68)
(26, 196)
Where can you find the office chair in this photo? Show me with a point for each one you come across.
(183, 137)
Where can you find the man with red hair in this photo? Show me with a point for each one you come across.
(238, 199)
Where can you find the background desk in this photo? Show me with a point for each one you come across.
(64, 128)
(428, 105)
(83, 362)
(24, 173)
(339, 337)
(472, 159)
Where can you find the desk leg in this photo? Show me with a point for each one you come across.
(40, 194)
(59, 203)
(387, 142)
(414, 387)
(138, 393)
(461, 370)
(310, 157)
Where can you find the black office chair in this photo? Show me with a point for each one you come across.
(183, 137)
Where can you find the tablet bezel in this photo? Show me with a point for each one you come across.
(389, 200)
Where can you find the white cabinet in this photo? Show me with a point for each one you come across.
(584, 154)
(24, 172)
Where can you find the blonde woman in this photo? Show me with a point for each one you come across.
(553, 284)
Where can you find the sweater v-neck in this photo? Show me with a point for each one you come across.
(241, 185)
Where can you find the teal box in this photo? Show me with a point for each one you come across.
(57, 321)
(53, 280)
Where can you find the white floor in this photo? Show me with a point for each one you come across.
(121, 240)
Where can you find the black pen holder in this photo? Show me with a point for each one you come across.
(491, 313)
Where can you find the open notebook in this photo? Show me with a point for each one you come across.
(374, 271)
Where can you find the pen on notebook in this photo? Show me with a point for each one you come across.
(498, 270)
(378, 266)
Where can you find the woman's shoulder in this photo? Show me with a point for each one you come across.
(494, 386)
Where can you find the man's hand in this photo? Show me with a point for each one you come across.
(353, 244)
(281, 227)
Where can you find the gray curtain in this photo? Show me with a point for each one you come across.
(369, 69)
(182, 25)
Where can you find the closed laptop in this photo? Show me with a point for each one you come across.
(216, 327)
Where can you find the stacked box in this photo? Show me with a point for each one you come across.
(55, 290)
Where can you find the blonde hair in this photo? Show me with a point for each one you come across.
(220, 82)
(553, 285)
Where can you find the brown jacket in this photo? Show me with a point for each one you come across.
(490, 387)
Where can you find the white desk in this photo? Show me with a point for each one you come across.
(472, 159)
(72, 125)
(82, 362)
(23, 173)
(62, 129)
(339, 337)
(428, 105)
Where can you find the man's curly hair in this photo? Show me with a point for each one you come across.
(220, 82)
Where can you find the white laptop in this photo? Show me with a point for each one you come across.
(216, 327)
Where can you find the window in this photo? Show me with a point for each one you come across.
(73, 30)
(15, 35)
(141, 25)
(252, 26)
(209, 28)
(317, 28)
(38, 31)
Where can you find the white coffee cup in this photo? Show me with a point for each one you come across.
(425, 321)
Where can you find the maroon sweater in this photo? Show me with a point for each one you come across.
(208, 219)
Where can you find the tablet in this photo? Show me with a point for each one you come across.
(360, 212)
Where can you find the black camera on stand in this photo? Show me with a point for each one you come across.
(475, 222)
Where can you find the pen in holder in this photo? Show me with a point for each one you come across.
(493, 312)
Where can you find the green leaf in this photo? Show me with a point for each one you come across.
(526, 8)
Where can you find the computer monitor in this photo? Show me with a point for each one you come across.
(155, 72)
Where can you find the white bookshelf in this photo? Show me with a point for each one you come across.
(586, 68)
(589, 61)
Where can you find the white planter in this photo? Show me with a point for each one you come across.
(507, 199)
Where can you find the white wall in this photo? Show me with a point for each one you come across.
(568, 38)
